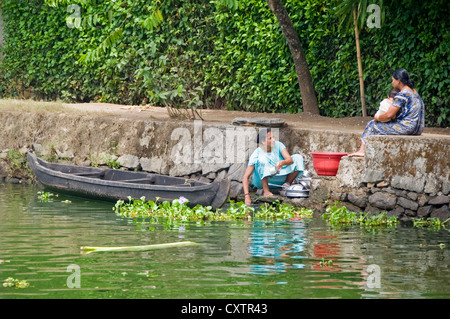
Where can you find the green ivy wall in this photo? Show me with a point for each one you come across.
(205, 55)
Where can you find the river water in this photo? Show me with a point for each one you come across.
(40, 243)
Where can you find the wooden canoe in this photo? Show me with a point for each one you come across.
(111, 184)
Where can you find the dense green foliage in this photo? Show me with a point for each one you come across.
(204, 54)
(164, 66)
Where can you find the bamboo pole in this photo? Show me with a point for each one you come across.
(360, 70)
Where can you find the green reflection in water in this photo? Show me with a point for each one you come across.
(240, 259)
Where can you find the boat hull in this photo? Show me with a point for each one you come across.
(109, 184)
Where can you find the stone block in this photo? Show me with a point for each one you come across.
(352, 208)
(211, 175)
(350, 172)
(64, 151)
(235, 189)
(236, 171)
(431, 186)
(410, 213)
(185, 169)
(407, 203)
(422, 200)
(446, 187)
(424, 211)
(155, 165)
(372, 210)
(212, 167)
(203, 179)
(397, 212)
(408, 183)
(413, 196)
(443, 213)
(38, 149)
(338, 196)
(439, 200)
(373, 176)
(358, 200)
(320, 188)
(221, 175)
(383, 200)
(129, 161)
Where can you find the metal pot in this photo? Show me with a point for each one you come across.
(295, 190)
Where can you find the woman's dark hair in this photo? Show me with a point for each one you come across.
(403, 76)
(261, 136)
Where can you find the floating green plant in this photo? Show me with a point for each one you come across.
(46, 196)
(178, 209)
(432, 222)
(11, 282)
(342, 216)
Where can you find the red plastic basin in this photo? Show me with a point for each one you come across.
(326, 163)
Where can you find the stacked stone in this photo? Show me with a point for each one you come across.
(404, 198)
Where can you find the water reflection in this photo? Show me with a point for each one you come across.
(257, 259)
(276, 246)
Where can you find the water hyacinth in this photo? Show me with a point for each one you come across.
(46, 196)
(182, 200)
(342, 216)
(179, 210)
(11, 282)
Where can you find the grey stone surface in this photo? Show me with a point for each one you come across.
(424, 211)
(373, 176)
(408, 183)
(443, 213)
(235, 189)
(358, 200)
(446, 187)
(397, 212)
(184, 169)
(236, 171)
(350, 172)
(259, 121)
(129, 161)
(221, 175)
(155, 165)
(439, 200)
(431, 185)
(383, 200)
(413, 196)
(407, 203)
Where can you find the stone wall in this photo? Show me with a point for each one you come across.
(408, 176)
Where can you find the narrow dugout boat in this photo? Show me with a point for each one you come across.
(110, 184)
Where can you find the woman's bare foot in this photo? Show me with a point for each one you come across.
(359, 153)
(268, 194)
(356, 154)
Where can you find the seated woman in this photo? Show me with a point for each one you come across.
(405, 116)
(271, 156)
